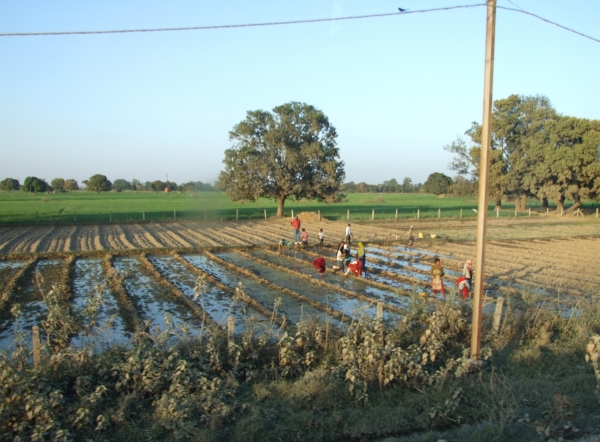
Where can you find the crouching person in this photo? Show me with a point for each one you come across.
(355, 267)
(320, 265)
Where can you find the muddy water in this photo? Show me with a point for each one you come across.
(354, 308)
(349, 283)
(153, 304)
(404, 260)
(218, 305)
(294, 310)
(29, 301)
(8, 269)
(108, 328)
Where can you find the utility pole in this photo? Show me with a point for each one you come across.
(484, 167)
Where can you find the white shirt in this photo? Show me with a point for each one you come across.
(348, 231)
(321, 235)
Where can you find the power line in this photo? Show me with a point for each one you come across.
(291, 22)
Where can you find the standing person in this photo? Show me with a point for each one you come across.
(468, 273)
(349, 235)
(296, 225)
(362, 256)
(321, 236)
(437, 273)
(340, 256)
(411, 237)
(304, 237)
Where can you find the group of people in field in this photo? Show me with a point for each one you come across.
(356, 264)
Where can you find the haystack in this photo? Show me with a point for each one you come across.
(308, 216)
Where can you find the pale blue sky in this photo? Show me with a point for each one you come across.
(397, 89)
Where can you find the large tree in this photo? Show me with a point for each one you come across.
(121, 184)
(98, 183)
(290, 152)
(34, 185)
(71, 185)
(437, 183)
(58, 184)
(9, 184)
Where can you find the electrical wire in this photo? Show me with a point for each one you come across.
(291, 22)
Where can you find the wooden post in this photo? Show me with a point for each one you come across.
(373, 215)
(396, 214)
(347, 215)
(547, 210)
(596, 212)
(530, 212)
(484, 170)
(418, 213)
(37, 346)
(380, 310)
(143, 216)
(237, 214)
(230, 331)
(265, 213)
(498, 313)
(439, 213)
(174, 215)
(461, 213)
(515, 211)
(497, 213)
(319, 215)
(110, 216)
(292, 213)
(74, 217)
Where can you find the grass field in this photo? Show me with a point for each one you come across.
(87, 207)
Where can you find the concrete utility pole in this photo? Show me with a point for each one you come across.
(484, 168)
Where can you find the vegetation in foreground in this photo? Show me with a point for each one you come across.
(312, 382)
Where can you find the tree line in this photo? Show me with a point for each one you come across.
(100, 183)
(535, 153)
(391, 186)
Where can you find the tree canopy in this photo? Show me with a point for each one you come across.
(98, 183)
(9, 184)
(71, 185)
(34, 185)
(58, 184)
(120, 184)
(290, 152)
(437, 183)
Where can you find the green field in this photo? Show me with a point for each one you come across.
(87, 207)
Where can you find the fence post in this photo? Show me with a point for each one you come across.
(497, 213)
(562, 212)
(373, 215)
(380, 310)
(265, 213)
(174, 215)
(230, 331)
(439, 213)
(461, 213)
(37, 352)
(418, 213)
(319, 214)
(292, 213)
(74, 217)
(547, 210)
(515, 211)
(143, 216)
(498, 313)
(347, 215)
(110, 217)
(396, 213)
(596, 212)
(530, 211)
(237, 214)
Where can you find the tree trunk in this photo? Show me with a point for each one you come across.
(574, 207)
(524, 202)
(560, 205)
(544, 203)
(518, 202)
(498, 204)
(280, 204)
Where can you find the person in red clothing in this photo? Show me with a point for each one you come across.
(463, 286)
(320, 265)
(356, 267)
(296, 225)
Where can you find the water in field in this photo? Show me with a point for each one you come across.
(8, 269)
(352, 307)
(27, 306)
(293, 309)
(96, 308)
(216, 303)
(154, 305)
(351, 283)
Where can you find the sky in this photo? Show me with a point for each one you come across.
(397, 89)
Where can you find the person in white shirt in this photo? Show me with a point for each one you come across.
(348, 234)
(321, 236)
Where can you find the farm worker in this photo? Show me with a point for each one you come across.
(321, 237)
(463, 287)
(296, 225)
(437, 273)
(468, 273)
(340, 256)
(282, 244)
(355, 267)
(320, 265)
(362, 256)
(304, 238)
(348, 234)
(411, 237)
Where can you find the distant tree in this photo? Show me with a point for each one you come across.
(437, 183)
(391, 186)
(407, 185)
(158, 185)
(58, 184)
(350, 187)
(121, 184)
(290, 152)
(34, 185)
(71, 185)
(9, 184)
(99, 183)
(362, 187)
(463, 187)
